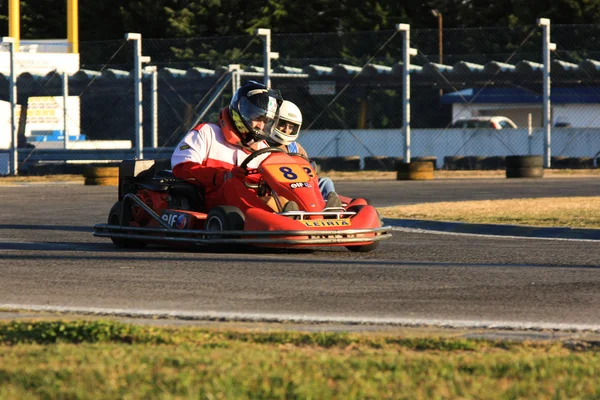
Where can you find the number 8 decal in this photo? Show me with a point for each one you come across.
(288, 173)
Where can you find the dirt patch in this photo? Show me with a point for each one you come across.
(380, 175)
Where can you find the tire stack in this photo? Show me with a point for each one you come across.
(429, 159)
(381, 163)
(474, 163)
(347, 163)
(416, 170)
(524, 166)
(454, 163)
(102, 176)
(494, 163)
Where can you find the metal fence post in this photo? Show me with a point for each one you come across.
(153, 72)
(12, 88)
(547, 47)
(407, 51)
(65, 90)
(268, 54)
(234, 70)
(138, 59)
(530, 134)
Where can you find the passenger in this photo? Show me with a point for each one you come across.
(284, 136)
(210, 154)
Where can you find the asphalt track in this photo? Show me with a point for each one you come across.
(49, 260)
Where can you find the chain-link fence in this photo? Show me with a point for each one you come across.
(348, 86)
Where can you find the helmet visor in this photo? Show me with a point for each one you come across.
(262, 114)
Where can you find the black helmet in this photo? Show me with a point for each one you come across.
(254, 101)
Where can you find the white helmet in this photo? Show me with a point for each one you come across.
(288, 124)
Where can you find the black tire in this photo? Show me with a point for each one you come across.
(117, 216)
(454, 163)
(367, 247)
(524, 162)
(559, 162)
(474, 162)
(494, 162)
(347, 163)
(525, 172)
(225, 218)
(378, 163)
(581, 162)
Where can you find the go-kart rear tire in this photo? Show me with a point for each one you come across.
(367, 247)
(225, 218)
(116, 217)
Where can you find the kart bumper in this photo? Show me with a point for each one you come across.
(286, 238)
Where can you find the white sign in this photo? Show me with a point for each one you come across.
(5, 125)
(38, 63)
(45, 115)
(321, 87)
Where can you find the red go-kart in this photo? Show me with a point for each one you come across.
(156, 208)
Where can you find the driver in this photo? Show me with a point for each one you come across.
(210, 154)
(284, 136)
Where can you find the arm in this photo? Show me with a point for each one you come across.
(190, 158)
(207, 177)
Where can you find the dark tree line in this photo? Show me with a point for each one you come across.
(111, 19)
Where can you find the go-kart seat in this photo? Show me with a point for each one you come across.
(180, 189)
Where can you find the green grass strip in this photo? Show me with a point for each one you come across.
(109, 360)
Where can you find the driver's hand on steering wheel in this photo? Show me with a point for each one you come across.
(224, 175)
(235, 172)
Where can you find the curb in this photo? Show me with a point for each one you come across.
(499, 230)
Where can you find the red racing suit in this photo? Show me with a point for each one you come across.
(205, 155)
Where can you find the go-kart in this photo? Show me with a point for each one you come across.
(154, 207)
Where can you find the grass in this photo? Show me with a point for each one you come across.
(575, 212)
(107, 360)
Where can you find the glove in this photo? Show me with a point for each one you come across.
(223, 175)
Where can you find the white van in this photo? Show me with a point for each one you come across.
(493, 122)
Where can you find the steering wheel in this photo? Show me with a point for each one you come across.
(259, 153)
(299, 155)
(252, 156)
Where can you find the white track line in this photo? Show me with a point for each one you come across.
(268, 317)
(488, 235)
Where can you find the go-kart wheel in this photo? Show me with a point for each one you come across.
(118, 216)
(367, 247)
(225, 218)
